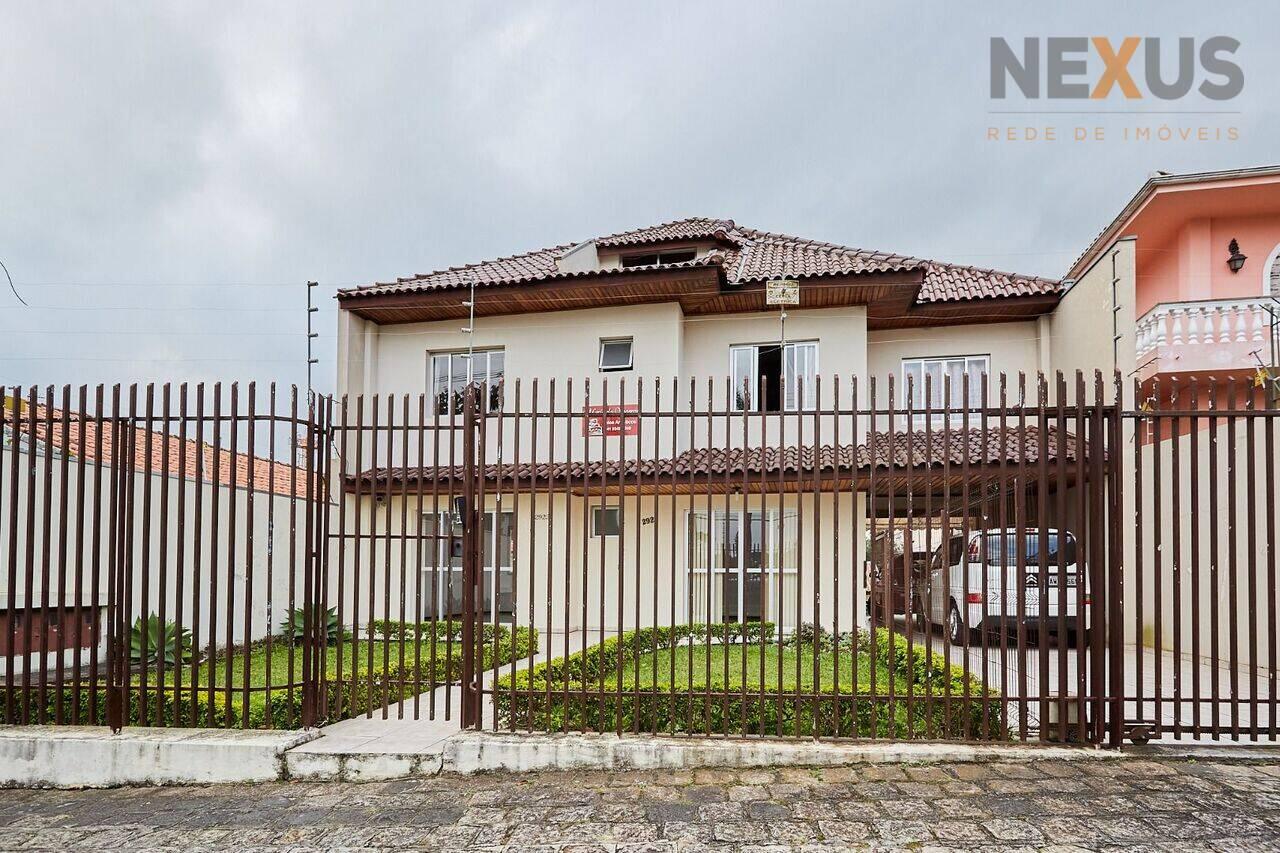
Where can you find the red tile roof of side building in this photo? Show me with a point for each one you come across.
(185, 458)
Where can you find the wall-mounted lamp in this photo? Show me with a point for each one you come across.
(1236, 261)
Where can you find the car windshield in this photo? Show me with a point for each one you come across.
(1002, 548)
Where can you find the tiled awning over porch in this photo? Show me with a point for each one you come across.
(918, 458)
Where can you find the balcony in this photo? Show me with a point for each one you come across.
(1216, 335)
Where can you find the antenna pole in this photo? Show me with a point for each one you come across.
(470, 329)
(312, 334)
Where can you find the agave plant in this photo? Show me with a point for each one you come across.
(294, 625)
(153, 641)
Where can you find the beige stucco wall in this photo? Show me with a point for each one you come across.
(1013, 347)
(1098, 308)
(560, 569)
(559, 345)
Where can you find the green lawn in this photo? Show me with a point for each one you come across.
(403, 666)
(674, 680)
(737, 666)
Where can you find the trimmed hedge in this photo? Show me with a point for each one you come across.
(343, 699)
(536, 699)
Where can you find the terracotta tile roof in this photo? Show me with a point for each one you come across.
(264, 474)
(1010, 444)
(747, 255)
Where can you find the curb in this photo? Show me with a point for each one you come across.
(477, 752)
(93, 757)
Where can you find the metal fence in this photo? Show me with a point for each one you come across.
(948, 558)
(158, 556)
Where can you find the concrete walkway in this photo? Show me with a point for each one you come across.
(419, 725)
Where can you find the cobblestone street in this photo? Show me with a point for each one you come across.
(1148, 804)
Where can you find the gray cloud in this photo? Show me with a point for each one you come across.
(149, 148)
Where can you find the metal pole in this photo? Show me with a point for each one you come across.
(311, 336)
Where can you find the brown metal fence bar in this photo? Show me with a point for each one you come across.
(1002, 511)
(1060, 494)
(12, 570)
(943, 553)
(891, 708)
(1270, 494)
(469, 535)
(1115, 553)
(1214, 556)
(1042, 552)
(835, 555)
(1233, 602)
(1250, 567)
(1175, 508)
(46, 563)
(81, 476)
(60, 600)
(1019, 495)
(967, 507)
(114, 710)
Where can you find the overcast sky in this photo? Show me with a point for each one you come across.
(173, 173)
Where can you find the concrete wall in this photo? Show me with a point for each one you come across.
(566, 578)
(262, 575)
(1099, 307)
(1179, 561)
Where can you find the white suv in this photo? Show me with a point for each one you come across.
(971, 606)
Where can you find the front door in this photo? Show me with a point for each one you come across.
(746, 560)
(442, 572)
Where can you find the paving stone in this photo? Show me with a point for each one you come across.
(1151, 805)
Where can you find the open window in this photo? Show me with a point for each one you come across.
(452, 371)
(615, 354)
(773, 377)
(650, 259)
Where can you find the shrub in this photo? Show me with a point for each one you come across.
(563, 694)
(294, 625)
(153, 640)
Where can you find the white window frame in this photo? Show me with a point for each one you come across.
(810, 391)
(445, 521)
(483, 352)
(1272, 260)
(658, 253)
(631, 355)
(597, 512)
(938, 413)
(777, 523)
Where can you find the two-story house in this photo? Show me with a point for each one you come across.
(672, 319)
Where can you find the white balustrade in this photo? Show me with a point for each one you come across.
(1172, 330)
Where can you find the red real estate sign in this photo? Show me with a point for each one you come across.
(611, 420)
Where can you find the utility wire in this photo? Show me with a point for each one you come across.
(11, 284)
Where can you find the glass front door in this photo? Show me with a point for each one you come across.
(442, 569)
(741, 566)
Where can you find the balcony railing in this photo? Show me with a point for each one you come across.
(1214, 334)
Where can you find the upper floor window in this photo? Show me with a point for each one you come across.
(773, 378)
(649, 259)
(451, 371)
(615, 354)
(915, 372)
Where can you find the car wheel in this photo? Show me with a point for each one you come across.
(958, 631)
